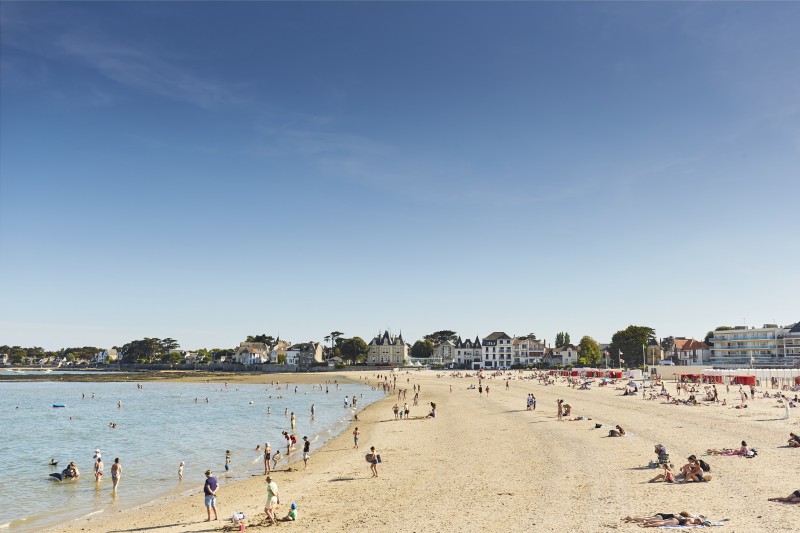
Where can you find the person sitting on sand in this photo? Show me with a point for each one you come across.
(618, 432)
(291, 516)
(695, 472)
(794, 440)
(791, 498)
(668, 476)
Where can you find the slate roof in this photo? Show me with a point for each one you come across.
(497, 335)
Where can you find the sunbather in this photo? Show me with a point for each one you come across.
(743, 451)
(791, 498)
(691, 521)
(658, 516)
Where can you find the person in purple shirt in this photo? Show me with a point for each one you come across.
(210, 491)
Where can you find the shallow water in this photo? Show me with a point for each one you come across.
(157, 427)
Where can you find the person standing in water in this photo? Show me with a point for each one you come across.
(98, 469)
(180, 471)
(116, 473)
(293, 420)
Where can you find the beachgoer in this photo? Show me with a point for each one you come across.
(658, 516)
(791, 498)
(210, 492)
(355, 438)
(272, 500)
(313, 410)
(98, 469)
(373, 461)
(560, 412)
(618, 432)
(794, 440)
(116, 472)
(53, 462)
(667, 476)
(275, 458)
(306, 452)
(293, 420)
(180, 471)
(227, 460)
(691, 521)
(292, 515)
(267, 457)
(71, 471)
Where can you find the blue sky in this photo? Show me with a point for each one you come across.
(205, 171)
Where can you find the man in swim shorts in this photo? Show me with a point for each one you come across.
(116, 472)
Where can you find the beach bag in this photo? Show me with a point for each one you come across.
(704, 465)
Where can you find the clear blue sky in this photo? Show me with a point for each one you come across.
(205, 171)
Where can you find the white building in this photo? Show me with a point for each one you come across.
(251, 353)
(689, 352)
(768, 346)
(566, 355)
(388, 349)
(443, 354)
(527, 352)
(497, 351)
(278, 349)
(468, 354)
(107, 355)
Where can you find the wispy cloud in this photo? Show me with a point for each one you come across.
(144, 70)
(68, 38)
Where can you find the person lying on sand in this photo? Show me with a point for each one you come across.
(659, 516)
(743, 451)
(791, 498)
(691, 521)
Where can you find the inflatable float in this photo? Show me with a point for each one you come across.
(368, 458)
(59, 405)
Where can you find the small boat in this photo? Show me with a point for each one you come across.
(59, 405)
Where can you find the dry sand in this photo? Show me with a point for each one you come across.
(487, 464)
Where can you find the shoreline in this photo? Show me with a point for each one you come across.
(486, 463)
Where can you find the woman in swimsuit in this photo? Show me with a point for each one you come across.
(267, 457)
(98, 469)
(658, 516)
(690, 521)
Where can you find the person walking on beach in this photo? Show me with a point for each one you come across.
(272, 500)
(267, 457)
(210, 492)
(355, 437)
(306, 452)
(373, 461)
(116, 473)
(560, 402)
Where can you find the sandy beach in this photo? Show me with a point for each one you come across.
(485, 463)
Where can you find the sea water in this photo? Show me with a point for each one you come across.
(158, 426)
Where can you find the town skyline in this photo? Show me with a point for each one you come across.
(298, 168)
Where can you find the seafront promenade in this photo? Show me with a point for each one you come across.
(485, 463)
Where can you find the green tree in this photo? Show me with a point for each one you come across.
(439, 337)
(281, 358)
(667, 343)
(630, 342)
(269, 340)
(529, 337)
(169, 345)
(589, 352)
(355, 349)
(562, 338)
(174, 358)
(422, 349)
(332, 338)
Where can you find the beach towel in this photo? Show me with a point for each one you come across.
(706, 524)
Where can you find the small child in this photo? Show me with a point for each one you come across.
(180, 471)
(292, 516)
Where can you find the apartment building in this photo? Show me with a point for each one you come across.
(498, 352)
(768, 346)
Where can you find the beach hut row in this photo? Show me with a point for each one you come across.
(749, 377)
(588, 373)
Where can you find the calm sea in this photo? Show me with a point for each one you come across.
(158, 426)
